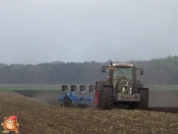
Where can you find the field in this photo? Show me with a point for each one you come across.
(39, 112)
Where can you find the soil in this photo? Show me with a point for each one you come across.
(39, 112)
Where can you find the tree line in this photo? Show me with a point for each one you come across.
(162, 71)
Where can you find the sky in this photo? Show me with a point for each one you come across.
(38, 31)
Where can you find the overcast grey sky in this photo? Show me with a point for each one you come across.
(36, 31)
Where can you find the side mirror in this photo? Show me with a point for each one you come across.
(103, 69)
(141, 72)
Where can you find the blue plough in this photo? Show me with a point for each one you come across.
(69, 96)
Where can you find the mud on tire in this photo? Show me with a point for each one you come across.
(107, 98)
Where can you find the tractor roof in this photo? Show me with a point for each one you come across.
(122, 64)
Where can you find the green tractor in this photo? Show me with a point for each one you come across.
(121, 87)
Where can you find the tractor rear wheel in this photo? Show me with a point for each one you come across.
(66, 101)
(144, 97)
(98, 94)
(107, 98)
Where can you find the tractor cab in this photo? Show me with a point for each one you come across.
(122, 74)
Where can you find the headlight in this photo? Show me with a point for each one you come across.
(123, 89)
(130, 91)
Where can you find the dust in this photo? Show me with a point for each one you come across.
(46, 96)
(157, 98)
(163, 98)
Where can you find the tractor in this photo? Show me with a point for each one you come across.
(121, 88)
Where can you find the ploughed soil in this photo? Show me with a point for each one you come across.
(39, 112)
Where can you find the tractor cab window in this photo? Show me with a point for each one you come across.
(122, 73)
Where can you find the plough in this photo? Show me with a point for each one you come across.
(70, 96)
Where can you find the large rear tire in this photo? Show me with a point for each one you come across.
(144, 98)
(107, 98)
(98, 94)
